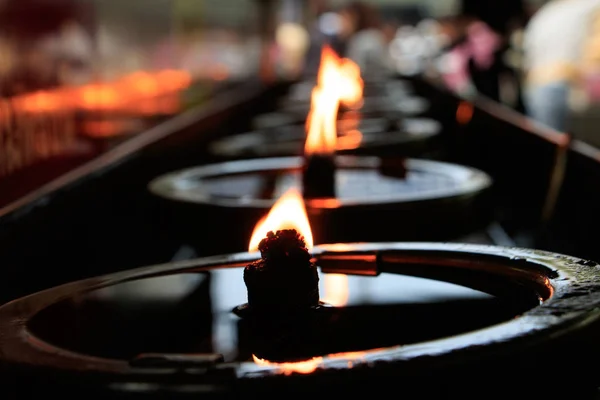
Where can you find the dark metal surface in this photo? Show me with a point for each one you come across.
(559, 291)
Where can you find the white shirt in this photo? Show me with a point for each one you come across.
(557, 32)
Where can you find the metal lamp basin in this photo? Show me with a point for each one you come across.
(409, 137)
(194, 185)
(565, 303)
(420, 200)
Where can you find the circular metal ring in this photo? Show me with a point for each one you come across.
(568, 289)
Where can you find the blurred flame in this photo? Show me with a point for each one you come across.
(171, 80)
(336, 289)
(288, 212)
(301, 367)
(351, 139)
(342, 76)
(321, 122)
(100, 97)
(42, 101)
(141, 83)
(139, 92)
(338, 81)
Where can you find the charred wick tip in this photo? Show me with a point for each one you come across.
(285, 278)
(281, 243)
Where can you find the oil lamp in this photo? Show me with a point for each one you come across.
(338, 81)
(284, 279)
(532, 308)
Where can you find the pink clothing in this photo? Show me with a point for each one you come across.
(481, 44)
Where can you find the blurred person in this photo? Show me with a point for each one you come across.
(502, 16)
(498, 80)
(471, 64)
(366, 42)
(553, 46)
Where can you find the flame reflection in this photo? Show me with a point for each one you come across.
(288, 368)
(309, 366)
(464, 113)
(336, 289)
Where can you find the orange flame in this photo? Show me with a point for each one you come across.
(321, 122)
(300, 367)
(338, 82)
(140, 83)
(288, 212)
(99, 97)
(342, 75)
(351, 139)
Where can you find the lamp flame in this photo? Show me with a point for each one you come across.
(338, 81)
(321, 122)
(288, 212)
(342, 75)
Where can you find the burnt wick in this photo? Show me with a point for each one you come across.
(284, 278)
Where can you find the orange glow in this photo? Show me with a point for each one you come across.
(139, 92)
(171, 80)
(43, 101)
(464, 113)
(100, 97)
(336, 289)
(342, 76)
(141, 83)
(351, 139)
(288, 212)
(103, 129)
(300, 367)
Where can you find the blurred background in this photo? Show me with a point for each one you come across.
(79, 77)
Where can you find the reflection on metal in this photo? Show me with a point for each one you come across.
(464, 113)
(557, 176)
(300, 367)
(336, 289)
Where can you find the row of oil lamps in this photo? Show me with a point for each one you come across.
(132, 93)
